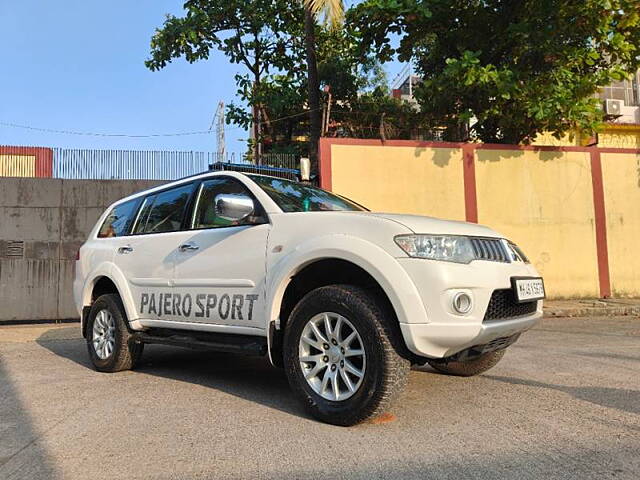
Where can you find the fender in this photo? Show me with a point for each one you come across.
(102, 270)
(125, 294)
(107, 269)
(383, 267)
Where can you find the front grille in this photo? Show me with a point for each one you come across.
(491, 249)
(503, 306)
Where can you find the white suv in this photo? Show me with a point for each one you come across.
(344, 299)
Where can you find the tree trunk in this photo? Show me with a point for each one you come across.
(314, 87)
(257, 108)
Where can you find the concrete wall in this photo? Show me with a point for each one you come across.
(612, 135)
(375, 177)
(574, 210)
(620, 136)
(53, 218)
(621, 175)
(543, 201)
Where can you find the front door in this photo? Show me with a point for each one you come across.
(219, 276)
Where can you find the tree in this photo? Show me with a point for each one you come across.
(333, 12)
(254, 33)
(507, 69)
(377, 115)
(267, 38)
(358, 87)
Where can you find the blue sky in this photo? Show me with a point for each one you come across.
(79, 65)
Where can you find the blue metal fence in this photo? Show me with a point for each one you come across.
(129, 164)
(158, 165)
(133, 164)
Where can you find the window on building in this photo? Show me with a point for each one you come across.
(626, 90)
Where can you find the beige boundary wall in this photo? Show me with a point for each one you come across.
(574, 210)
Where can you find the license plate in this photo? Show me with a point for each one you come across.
(527, 289)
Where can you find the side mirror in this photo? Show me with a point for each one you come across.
(233, 207)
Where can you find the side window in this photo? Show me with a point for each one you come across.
(119, 220)
(143, 214)
(205, 215)
(164, 211)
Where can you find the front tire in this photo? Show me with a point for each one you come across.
(341, 355)
(470, 368)
(109, 342)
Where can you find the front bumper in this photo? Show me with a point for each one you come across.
(445, 332)
(439, 340)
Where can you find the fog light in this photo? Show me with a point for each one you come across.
(462, 303)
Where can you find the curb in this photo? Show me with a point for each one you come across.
(592, 311)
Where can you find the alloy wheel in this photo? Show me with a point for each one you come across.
(332, 356)
(104, 334)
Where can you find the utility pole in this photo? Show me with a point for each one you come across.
(219, 121)
(256, 133)
(410, 81)
(325, 125)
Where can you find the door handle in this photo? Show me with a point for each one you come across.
(124, 250)
(188, 247)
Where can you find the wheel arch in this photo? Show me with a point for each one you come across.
(100, 285)
(103, 281)
(343, 260)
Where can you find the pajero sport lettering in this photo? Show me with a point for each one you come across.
(344, 299)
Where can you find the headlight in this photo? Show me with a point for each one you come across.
(450, 248)
(517, 255)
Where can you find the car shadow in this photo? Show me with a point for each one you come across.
(249, 378)
(622, 399)
(22, 453)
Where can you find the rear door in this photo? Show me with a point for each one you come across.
(146, 257)
(220, 265)
(101, 251)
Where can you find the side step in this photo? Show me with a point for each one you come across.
(220, 342)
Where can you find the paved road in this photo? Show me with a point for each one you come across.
(564, 403)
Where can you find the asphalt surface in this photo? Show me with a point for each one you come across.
(563, 403)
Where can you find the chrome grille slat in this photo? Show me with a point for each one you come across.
(485, 251)
(494, 247)
(490, 249)
(485, 248)
(503, 254)
(476, 251)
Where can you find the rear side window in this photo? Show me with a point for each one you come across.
(119, 220)
(164, 211)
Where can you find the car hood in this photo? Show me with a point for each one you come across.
(437, 226)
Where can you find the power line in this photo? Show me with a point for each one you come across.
(127, 135)
(95, 134)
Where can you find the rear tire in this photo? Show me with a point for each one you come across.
(471, 367)
(368, 370)
(109, 342)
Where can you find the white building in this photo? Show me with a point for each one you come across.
(621, 100)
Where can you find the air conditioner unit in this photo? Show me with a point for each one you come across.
(613, 107)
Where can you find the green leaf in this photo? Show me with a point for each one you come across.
(521, 67)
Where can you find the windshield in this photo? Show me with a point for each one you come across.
(297, 197)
